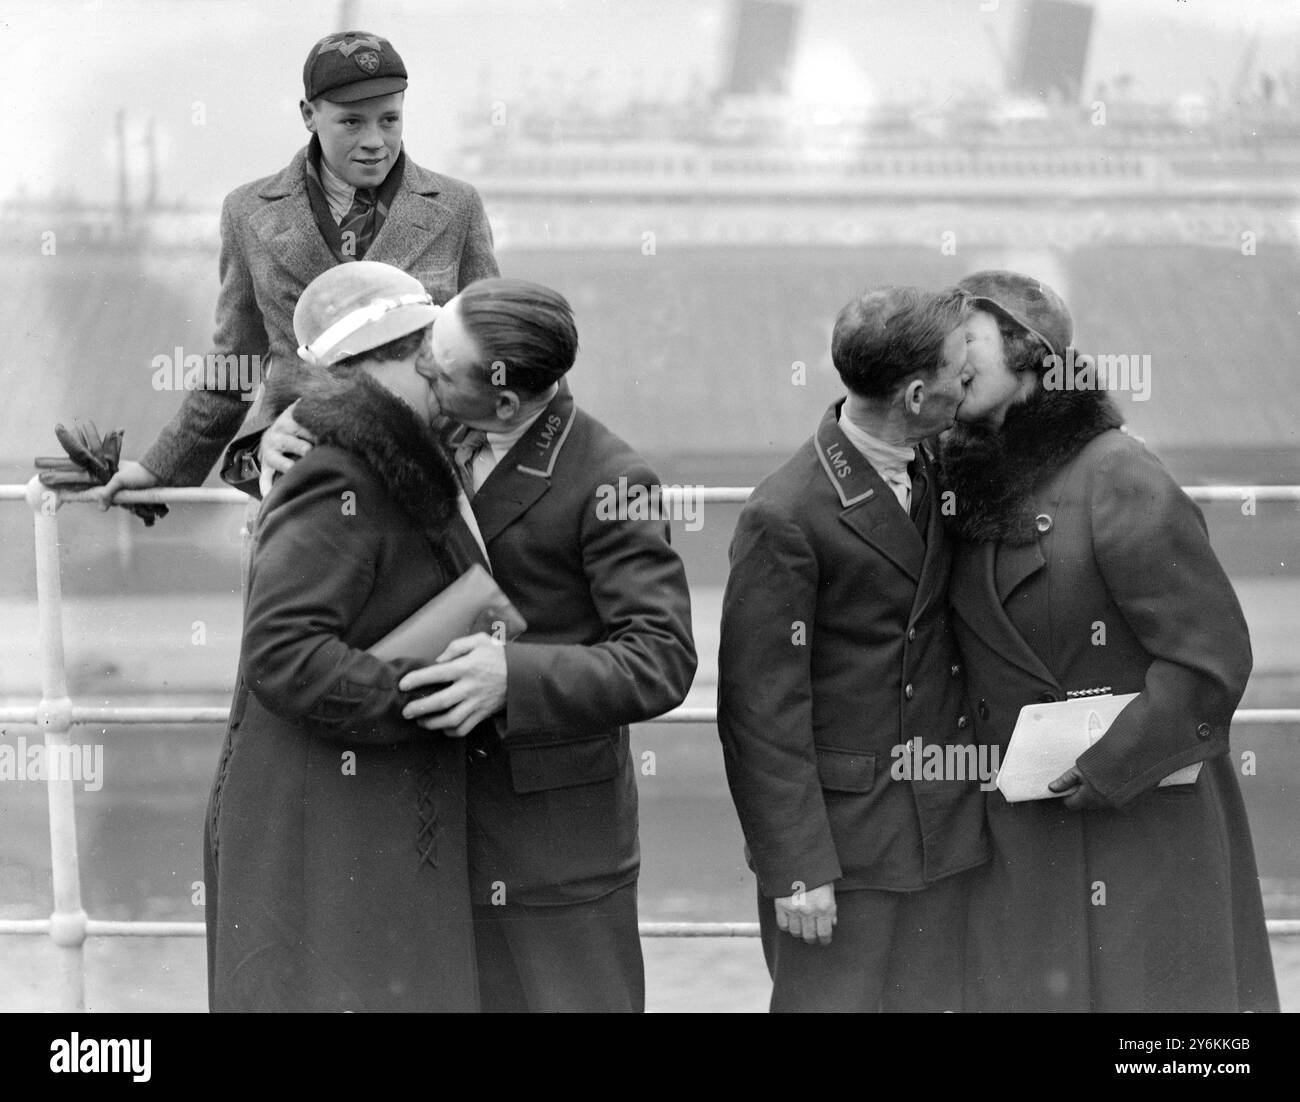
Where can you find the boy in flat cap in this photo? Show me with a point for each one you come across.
(352, 193)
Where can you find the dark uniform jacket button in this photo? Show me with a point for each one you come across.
(961, 722)
(955, 671)
(1043, 523)
(1203, 731)
(908, 691)
(983, 708)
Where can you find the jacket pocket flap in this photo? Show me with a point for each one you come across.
(846, 770)
(562, 765)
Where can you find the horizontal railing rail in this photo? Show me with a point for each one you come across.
(179, 715)
(710, 495)
(56, 715)
(105, 928)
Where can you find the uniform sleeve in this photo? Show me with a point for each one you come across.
(313, 571)
(765, 703)
(646, 662)
(477, 259)
(1151, 545)
(189, 446)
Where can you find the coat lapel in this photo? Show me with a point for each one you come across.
(988, 574)
(524, 473)
(287, 226)
(869, 506)
(1014, 565)
(413, 220)
(974, 594)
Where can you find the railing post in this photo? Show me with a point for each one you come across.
(54, 716)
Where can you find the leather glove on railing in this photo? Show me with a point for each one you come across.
(91, 462)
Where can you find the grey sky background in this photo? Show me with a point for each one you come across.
(71, 65)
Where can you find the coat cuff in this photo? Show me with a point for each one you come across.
(778, 881)
(1111, 776)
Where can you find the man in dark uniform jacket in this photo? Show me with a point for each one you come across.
(350, 194)
(837, 655)
(552, 797)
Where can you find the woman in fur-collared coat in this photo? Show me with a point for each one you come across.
(335, 852)
(1083, 566)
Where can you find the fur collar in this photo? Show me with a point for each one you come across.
(994, 472)
(364, 418)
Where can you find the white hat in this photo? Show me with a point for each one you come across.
(357, 306)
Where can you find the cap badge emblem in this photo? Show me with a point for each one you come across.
(347, 48)
(369, 61)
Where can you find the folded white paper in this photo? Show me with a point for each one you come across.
(1049, 738)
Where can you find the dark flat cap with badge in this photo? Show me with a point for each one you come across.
(351, 66)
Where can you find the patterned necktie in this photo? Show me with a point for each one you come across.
(466, 450)
(358, 226)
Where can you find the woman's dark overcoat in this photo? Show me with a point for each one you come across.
(335, 840)
(1083, 566)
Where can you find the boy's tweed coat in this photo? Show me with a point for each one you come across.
(271, 248)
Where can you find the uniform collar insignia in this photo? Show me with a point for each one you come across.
(541, 445)
(851, 475)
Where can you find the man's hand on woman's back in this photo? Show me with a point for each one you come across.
(282, 445)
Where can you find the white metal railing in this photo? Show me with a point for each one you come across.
(55, 715)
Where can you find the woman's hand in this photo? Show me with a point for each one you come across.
(1079, 794)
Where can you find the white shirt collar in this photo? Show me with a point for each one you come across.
(338, 192)
(889, 460)
(499, 443)
(879, 453)
(502, 442)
